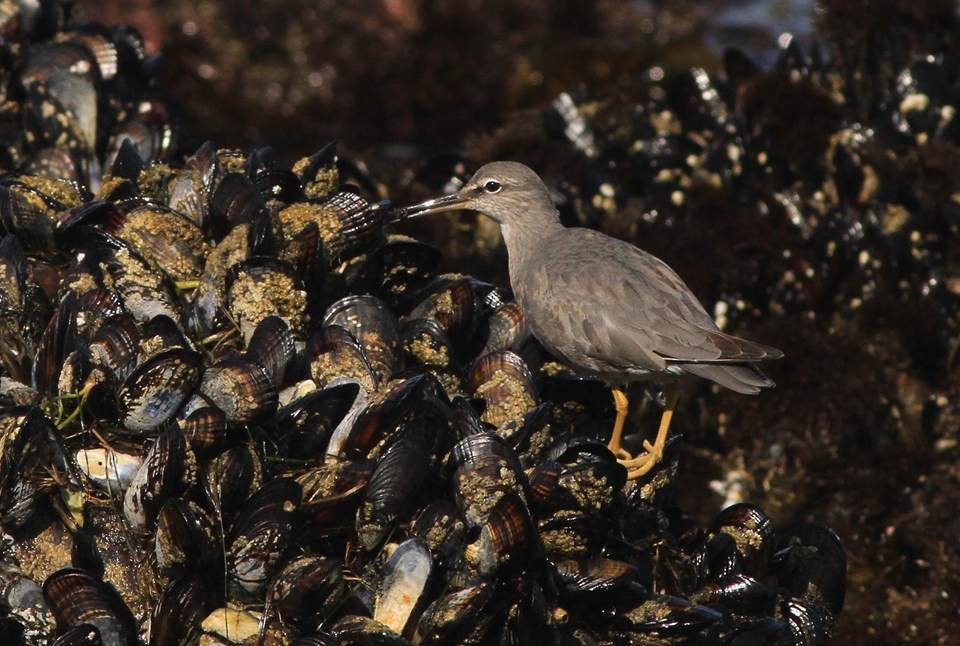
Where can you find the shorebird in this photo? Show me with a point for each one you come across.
(603, 306)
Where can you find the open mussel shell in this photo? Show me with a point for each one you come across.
(273, 348)
(262, 287)
(231, 477)
(112, 471)
(504, 382)
(334, 352)
(308, 589)
(241, 389)
(168, 471)
(403, 588)
(459, 617)
(77, 598)
(374, 326)
(181, 608)
(811, 563)
(260, 533)
(157, 388)
(391, 492)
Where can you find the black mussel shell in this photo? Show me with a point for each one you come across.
(334, 353)
(504, 382)
(58, 340)
(179, 612)
(262, 287)
(191, 188)
(507, 539)
(457, 617)
(260, 533)
(753, 531)
(76, 598)
(207, 431)
(236, 200)
(115, 346)
(241, 389)
(374, 326)
(168, 471)
(185, 540)
(156, 390)
(272, 347)
(308, 589)
(442, 529)
(355, 630)
(506, 329)
(306, 424)
(811, 563)
(451, 305)
(333, 491)
(231, 477)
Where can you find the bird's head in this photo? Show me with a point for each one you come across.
(508, 192)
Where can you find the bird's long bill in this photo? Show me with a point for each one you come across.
(450, 202)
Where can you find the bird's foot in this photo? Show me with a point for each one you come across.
(642, 464)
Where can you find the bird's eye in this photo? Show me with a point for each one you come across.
(492, 187)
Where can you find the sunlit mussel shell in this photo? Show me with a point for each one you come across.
(403, 590)
(112, 471)
(260, 533)
(425, 345)
(157, 388)
(232, 477)
(810, 562)
(346, 222)
(503, 380)
(159, 334)
(334, 353)
(115, 345)
(144, 292)
(76, 598)
(168, 471)
(465, 419)
(571, 535)
(354, 630)
(506, 329)
(740, 594)
(391, 493)
(485, 469)
(307, 591)
(804, 622)
(179, 611)
(30, 207)
(333, 491)
(753, 532)
(374, 326)
(94, 307)
(457, 617)
(594, 580)
(207, 431)
(449, 302)
(262, 287)
(507, 539)
(32, 461)
(13, 275)
(318, 173)
(186, 539)
(191, 188)
(442, 529)
(241, 389)
(164, 238)
(668, 615)
(205, 312)
(543, 478)
(303, 427)
(273, 347)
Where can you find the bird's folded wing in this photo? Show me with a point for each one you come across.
(632, 308)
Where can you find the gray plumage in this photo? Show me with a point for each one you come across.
(601, 304)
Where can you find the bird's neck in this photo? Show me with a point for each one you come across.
(525, 239)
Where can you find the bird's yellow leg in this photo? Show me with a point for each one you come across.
(623, 404)
(642, 464)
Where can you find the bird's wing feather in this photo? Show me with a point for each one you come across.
(620, 304)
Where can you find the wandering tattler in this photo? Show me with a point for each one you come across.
(604, 306)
